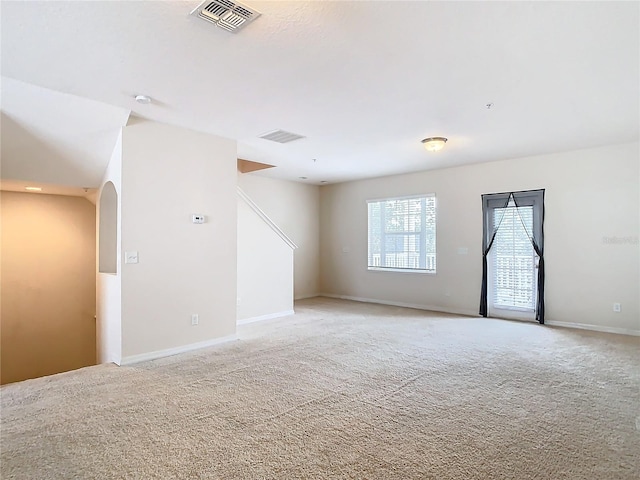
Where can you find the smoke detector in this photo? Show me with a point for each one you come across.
(232, 16)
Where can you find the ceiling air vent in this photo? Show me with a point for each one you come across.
(281, 136)
(232, 16)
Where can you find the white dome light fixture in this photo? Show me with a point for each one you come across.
(143, 99)
(433, 144)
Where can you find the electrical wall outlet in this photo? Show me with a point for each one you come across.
(195, 319)
(617, 307)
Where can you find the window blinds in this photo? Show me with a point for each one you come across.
(513, 259)
(402, 233)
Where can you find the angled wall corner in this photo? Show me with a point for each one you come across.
(294, 207)
(265, 265)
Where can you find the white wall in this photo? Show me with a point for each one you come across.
(294, 207)
(265, 268)
(168, 174)
(591, 196)
(109, 285)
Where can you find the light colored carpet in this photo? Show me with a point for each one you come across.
(343, 390)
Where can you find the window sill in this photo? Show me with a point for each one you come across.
(401, 270)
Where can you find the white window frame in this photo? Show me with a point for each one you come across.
(428, 259)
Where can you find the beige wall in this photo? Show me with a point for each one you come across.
(294, 207)
(591, 196)
(108, 229)
(265, 268)
(48, 285)
(168, 174)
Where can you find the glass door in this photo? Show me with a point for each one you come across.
(512, 279)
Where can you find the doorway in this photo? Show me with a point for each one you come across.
(513, 256)
(48, 285)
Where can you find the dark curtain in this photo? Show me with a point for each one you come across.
(501, 200)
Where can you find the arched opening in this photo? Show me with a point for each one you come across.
(108, 232)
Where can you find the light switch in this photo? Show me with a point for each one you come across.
(130, 257)
(195, 218)
(463, 251)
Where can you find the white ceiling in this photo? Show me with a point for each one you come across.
(363, 81)
(54, 137)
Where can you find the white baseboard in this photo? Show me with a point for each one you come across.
(595, 328)
(432, 308)
(553, 323)
(269, 316)
(176, 350)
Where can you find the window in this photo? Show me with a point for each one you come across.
(402, 234)
(513, 259)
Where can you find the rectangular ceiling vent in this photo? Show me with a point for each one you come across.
(281, 136)
(232, 16)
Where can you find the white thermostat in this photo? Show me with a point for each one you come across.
(197, 218)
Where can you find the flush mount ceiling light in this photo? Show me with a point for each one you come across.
(433, 144)
(143, 99)
(33, 189)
